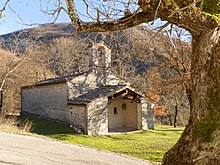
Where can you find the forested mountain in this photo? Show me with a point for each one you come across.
(153, 62)
(48, 33)
(16, 72)
(121, 42)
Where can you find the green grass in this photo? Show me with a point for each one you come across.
(149, 145)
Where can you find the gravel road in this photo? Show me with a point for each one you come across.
(19, 150)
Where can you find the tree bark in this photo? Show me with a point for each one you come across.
(200, 142)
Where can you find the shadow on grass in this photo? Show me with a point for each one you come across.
(47, 127)
(61, 137)
(119, 138)
(170, 130)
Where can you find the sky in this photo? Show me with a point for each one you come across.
(22, 12)
(19, 13)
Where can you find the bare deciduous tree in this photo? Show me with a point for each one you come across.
(18, 69)
(203, 129)
(198, 142)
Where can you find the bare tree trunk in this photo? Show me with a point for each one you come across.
(175, 114)
(170, 120)
(199, 143)
(1, 100)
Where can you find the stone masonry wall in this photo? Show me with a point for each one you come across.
(47, 101)
(78, 116)
(81, 84)
(98, 116)
(144, 114)
(150, 116)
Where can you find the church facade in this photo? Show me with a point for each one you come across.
(94, 102)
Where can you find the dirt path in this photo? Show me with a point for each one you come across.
(18, 149)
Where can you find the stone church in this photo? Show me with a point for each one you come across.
(95, 102)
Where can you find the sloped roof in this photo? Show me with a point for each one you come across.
(95, 94)
(103, 91)
(57, 80)
(90, 95)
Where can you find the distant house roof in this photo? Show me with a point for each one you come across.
(104, 91)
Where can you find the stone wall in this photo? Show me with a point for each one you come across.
(98, 117)
(82, 84)
(47, 101)
(144, 104)
(150, 116)
(78, 117)
(114, 80)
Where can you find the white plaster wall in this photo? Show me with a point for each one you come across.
(125, 117)
(115, 120)
(130, 114)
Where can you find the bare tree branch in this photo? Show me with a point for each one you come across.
(10, 69)
(72, 13)
(155, 15)
(184, 14)
(4, 7)
(160, 29)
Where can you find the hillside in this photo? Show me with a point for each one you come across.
(135, 40)
(15, 72)
(151, 62)
(50, 32)
(43, 32)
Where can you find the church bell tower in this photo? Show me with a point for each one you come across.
(100, 61)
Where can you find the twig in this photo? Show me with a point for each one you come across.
(155, 15)
(160, 29)
(4, 7)
(184, 8)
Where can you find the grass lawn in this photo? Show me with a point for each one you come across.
(149, 145)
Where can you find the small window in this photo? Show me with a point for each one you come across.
(115, 110)
(124, 106)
